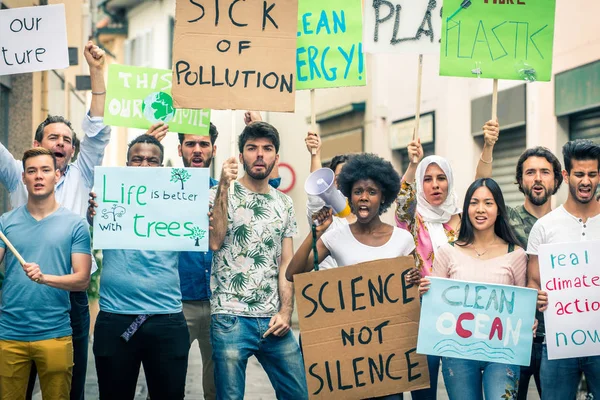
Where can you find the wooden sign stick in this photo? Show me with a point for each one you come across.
(12, 248)
(313, 117)
(418, 108)
(495, 101)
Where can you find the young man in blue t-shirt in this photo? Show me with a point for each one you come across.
(34, 317)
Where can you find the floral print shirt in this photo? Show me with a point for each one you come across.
(407, 218)
(245, 270)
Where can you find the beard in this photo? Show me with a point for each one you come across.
(260, 175)
(573, 190)
(537, 200)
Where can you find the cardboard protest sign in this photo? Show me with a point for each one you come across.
(151, 208)
(359, 330)
(235, 54)
(570, 274)
(33, 39)
(499, 39)
(477, 321)
(329, 42)
(402, 26)
(139, 97)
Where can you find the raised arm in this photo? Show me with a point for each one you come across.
(95, 57)
(220, 219)
(491, 133)
(303, 260)
(406, 202)
(313, 142)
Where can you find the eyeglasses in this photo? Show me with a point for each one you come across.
(151, 161)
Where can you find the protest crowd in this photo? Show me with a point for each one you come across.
(464, 289)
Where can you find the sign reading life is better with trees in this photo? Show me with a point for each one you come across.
(403, 26)
(151, 208)
(359, 330)
(477, 321)
(570, 274)
(329, 50)
(139, 97)
(498, 39)
(233, 54)
(33, 39)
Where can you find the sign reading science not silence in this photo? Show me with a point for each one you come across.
(233, 54)
(162, 209)
(359, 329)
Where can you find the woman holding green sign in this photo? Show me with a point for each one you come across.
(486, 251)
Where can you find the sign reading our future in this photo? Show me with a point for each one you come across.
(402, 26)
(233, 54)
(359, 330)
(151, 208)
(33, 39)
(570, 274)
(498, 39)
(477, 321)
(329, 42)
(139, 97)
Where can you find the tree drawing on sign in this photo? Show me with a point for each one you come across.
(115, 211)
(180, 175)
(197, 234)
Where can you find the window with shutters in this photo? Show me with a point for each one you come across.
(138, 51)
(585, 126)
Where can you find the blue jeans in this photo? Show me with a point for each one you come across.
(433, 364)
(468, 379)
(235, 339)
(560, 378)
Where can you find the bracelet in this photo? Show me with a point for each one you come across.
(99, 93)
(486, 162)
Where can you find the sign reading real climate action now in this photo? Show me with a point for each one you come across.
(138, 97)
(233, 54)
(477, 321)
(570, 274)
(359, 330)
(33, 39)
(498, 39)
(151, 208)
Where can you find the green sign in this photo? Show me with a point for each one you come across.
(139, 97)
(502, 39)
(329, 45)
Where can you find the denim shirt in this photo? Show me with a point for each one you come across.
(194, 271)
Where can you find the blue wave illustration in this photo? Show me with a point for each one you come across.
(477, 348)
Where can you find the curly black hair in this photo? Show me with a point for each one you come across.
(370, 166)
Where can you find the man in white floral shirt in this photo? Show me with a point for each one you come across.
(252, 302)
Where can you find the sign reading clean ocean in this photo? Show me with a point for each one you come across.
(138, 97)
(477, 321)
(151, 208)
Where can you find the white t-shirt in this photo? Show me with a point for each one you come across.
(558, 226)
(346, 250)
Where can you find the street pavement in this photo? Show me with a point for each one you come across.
(258, 386)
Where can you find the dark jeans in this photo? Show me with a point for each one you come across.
(161, 345)
(532, 370)
(433, 364)
(80, 323)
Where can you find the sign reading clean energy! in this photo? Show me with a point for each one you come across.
(329, 42)
(477, 321)
(570, 274)
(138, 97)
(151, 208)
(498, 39)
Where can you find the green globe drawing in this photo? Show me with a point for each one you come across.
(158, 107)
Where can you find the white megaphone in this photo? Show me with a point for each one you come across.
(320, 183)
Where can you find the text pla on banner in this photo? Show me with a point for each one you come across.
(477, 321)
(499, 40)
(138, 97)
(330, 52)
(161, 209)
(359, 329)
(33, 39)
(402, 26)
(570, 274)
(237, 55)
